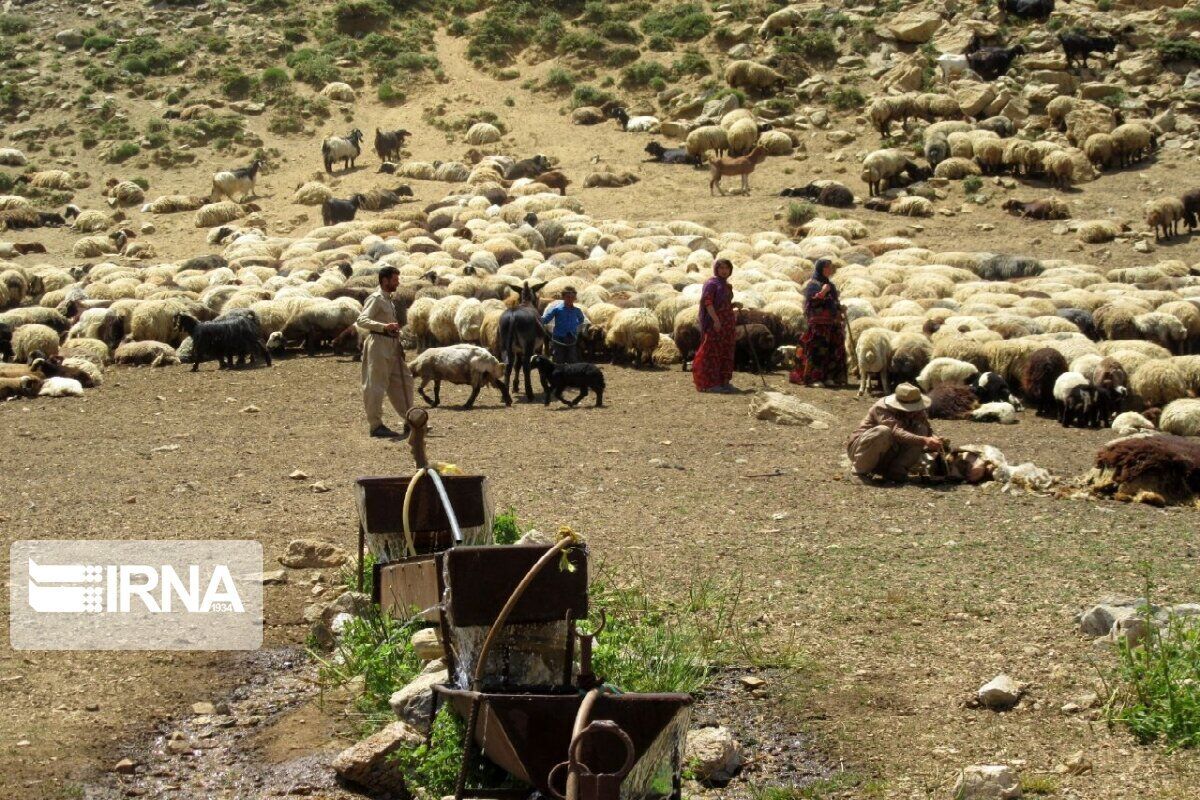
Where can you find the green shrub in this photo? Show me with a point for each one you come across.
(641, 73)
(11, 95)
(584, 44)
(235, 84)
(434, 766)
(122, 151)
(505, 528)
(501, 33)
(274, 78)
(1188, 16)
(559, 79)
(388, 93)
(458, 27)
(585, 95)
(550, 29)
(12, 24)
(780, 105)
(620, 31)
(800, 213)
(218, 45)
(356, 16)
(146, 55)
(98, 42)
(1104, 5)
(6, 182)
(690, 63)
(621, 55)
(845, 98)
(683, 23)
(972, 184)
(1174, 50)
(312, 67)
(813, 44)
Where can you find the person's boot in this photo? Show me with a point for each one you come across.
(383, 432)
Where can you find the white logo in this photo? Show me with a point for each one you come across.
(125, 582)
(135, 595)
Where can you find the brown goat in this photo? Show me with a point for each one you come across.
(554, 179)
(740, 165)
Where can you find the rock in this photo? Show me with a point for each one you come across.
(69, 38)
(840, 137)
(307, 553)
(1142, 246)
(974, 97)
(741, 51)
(1100, 619)
(320, 487)
(272, 578)
(203, 708)
(250, 409)
(914, 27)
(428, 644)
(534, 536)
(713, 754)
(674, 130)
(1000, 693)
(1132, 629)
(1192, 81)
(1063, 80)
(1140, 69)
(1077, 764)
(1054, 59)
(367, 763)
(125, 766)
(339, 92)
(753, 682)
(715, 109)
(1097, 91)
(987, 782)
(783, 409)
(820, 118)
(908, 75)
(414, 703)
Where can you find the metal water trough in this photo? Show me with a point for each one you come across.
(529, 734)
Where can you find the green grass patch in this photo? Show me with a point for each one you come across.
(313, 67)
(586, 95)
(800, 213)
(845, 98)
(146, 55)
(12, 24)
(620, 31)
(1157, 694)
(642, 73)
(99, 42)
(583, 44)
(122, 151)
(683, 23)
(690, 63)
(387, 93)
(818, 44)
(972, 184)
(235, 84)
(1038, 785)
(274, 78)
(1176, 50)
(559, 79)
(434, 766)
(505, 528)
(1188, 16)
(359, 16)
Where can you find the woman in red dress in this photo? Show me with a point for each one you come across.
(712, 368)
(821, 356)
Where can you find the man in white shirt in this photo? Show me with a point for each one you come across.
(384, 371)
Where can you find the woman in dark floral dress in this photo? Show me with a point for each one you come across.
(712, 368)
(821, 356)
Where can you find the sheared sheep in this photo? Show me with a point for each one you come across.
(464, 364)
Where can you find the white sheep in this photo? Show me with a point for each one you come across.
(782, 20)
(880, 166)
(93, 246)
(743, 135)
(633, 330)
(1000, 411)
(146, 353)
(463, 364)
(1164, 215)
(873, 351)
(32, 338)
(642, 124)
(1065, 383)
(88, 371)
(1181, 417)
(944, 370)
(1131, 422)
(752, 75)
(61, 387)
(483, 133)
(90, 221)
(214, 214)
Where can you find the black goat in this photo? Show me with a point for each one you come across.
(671, 155)
(520, 334)
(557, 377)
(1078, 45)
(1028, 9)
(224, 339)
(992, 62)
(334, 211)
(389, 143)
(990, 387)
(1191, 207)
(528, 168)
(6, 351)
(1081, 409)
(1110, 401)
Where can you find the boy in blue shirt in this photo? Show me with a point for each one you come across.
(567, 319)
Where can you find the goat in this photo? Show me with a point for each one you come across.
(1078, 44)
(1036, 209)
(1191, 207)
(554, 179)
(1028, 9)
(528, 168)
(223, 339)
(740, 165)
(240, 180)
(557, 377)
(334, 210)
(671, 155)
(992, 62)
(341, 148)
(520, 333)
(389, 143)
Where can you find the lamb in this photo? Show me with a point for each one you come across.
(705, 138)
(907, 206)
(334, 210)
(643, 124)
(1001, 412)
(882, 166)
(752, 75)
(1181, 418)
(990, 387)
(945, 370)
(633, 330)
(1077, 401)
(952, 401)
(388, 144)
(669, 155)
(557, 377)
(34, 338)
(240, 181)
(1131, 422)
(1042, 369)
(1163, 215)
(463, 364)
(341, 148)
(61, 387)
(741, 165)
(873, 350)
(483, 133)
(223, 339)
(25, 386)
(1046, 208)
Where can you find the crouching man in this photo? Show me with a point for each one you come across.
(893, 437)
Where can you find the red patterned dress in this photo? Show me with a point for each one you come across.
(821, 355)
(713, 365)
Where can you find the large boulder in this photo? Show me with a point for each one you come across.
(987, 782)
(914, 27)
(339, 92)
(973, 97)
(311, 553)
(1100, 619)
(1140, 69)
(368, 763)
(414, 703)
(712, 754)
(69, 38)
(783, 409)
(907, 75)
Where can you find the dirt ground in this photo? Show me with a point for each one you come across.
(902, 601)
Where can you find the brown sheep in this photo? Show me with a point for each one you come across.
(1037, 379)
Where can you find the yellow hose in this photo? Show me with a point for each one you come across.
(410, 548)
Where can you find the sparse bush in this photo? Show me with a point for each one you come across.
(620, 31)
(235, 84)
(1188, 16)
(1104, 5)
(585, 95)
(812, 44)
(122, 151)
(1174, 50)
(98, 42)
(312, 67)
(274, 78)
(550, 29)
(690, 63)
(145, 55)
(584, 44)
(683, 23)
(845, 98)
(390, 94)
(12, 24)
(972, 184)
(800, 213)
(458, 27)
(620, 56)
(356, 16)
(641, 74)
(559, 79)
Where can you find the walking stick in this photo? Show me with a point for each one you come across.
(754, 353)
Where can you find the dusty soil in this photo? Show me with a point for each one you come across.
(900, 601)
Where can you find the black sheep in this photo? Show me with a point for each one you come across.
(671, 155)
(1110, 401)
(1082, 319)
(992, 62)
(826, 193)
(1042, 369)
(235, 335)
(557, 377)
(1191, 207)
(6, 351)
(1078, 45)
(1028, 9)
(334, 211)
(528, 168)
(754, 348)
(952, 401)
(1081, 409)
(991, 387)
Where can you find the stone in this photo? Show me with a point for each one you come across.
(741, 51)
(715, 109)
(534, 536)
(1142, 246)
(414, 703)
(368, 763)
(987, 782)
(1132, 629)
(69, 38)
(339, 92)
(820, 118)
(713, 755)
(1077, 764)
(307, 553)
(674, 130)
(1100, 619)
(126, 766)
(908, 75)
(428, 644)
(1063, 80)
(1054, 59)
(203, 708)
(974, 97)
(1140, 69)
(753, 682)
(1000, 693)
(1097, 91)
(272, 578)
(298, 475)
(783, 409)
(840, 137)
(320, 487)
(914, 27)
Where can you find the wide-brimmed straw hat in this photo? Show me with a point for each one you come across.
(907, 398)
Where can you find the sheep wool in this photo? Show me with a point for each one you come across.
(32, 338)
(214, 214)
(483, 133)
(1181, 417)
(61, 387)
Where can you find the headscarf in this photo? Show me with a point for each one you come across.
(718, 291)
(819, 280)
